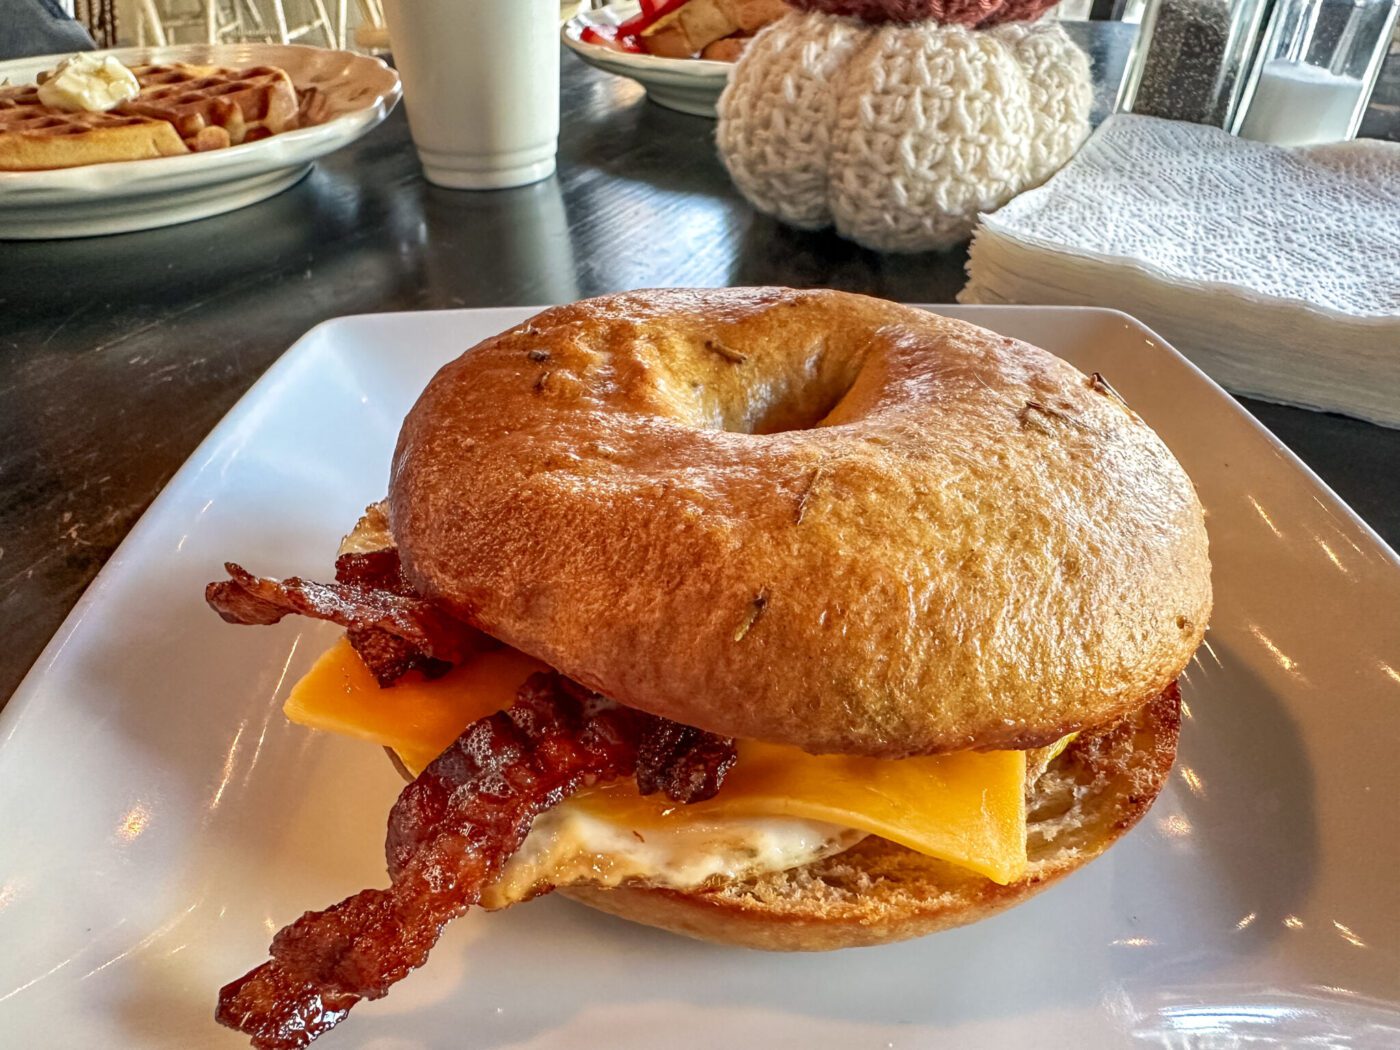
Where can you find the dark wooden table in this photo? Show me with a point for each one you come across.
(118, 354)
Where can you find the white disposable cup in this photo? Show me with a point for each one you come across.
(481, 83)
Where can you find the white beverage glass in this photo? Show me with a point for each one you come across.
(481, 84)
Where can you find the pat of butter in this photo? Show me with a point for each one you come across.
(95, 83)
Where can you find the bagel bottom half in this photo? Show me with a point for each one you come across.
(879, 892)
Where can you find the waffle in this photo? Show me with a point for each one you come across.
(212, 106)
(34, 136)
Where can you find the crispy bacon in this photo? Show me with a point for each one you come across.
(429, 631)
(450, 835)
(388, 656)
(379, 569)
(685, 763)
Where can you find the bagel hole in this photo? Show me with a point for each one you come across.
(788, 415)
(799, 394)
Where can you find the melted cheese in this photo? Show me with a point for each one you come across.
(418, 717)
(966, 808)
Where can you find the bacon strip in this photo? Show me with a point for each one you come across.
(388, 656)
(450, 835)
(685, 763)
(248, 599)
(379, 569)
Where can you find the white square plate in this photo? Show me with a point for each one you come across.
(159, 818)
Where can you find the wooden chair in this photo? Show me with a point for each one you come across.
(371, 34)
(161, 22)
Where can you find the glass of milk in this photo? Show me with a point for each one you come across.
(481, 86)
(1315, 70)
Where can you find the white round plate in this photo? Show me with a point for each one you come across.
(161, 191)
(160, 818)
(690, 85)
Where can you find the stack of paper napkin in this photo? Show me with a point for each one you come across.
(1276, 270)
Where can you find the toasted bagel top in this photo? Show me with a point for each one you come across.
(807, 517)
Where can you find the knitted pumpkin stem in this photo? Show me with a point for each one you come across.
(945, 12)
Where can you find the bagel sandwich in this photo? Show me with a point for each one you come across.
(891, 607)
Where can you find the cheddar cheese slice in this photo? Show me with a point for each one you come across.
(417, 717)
(966, 808)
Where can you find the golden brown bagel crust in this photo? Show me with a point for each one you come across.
(811, 518)
(879, 892)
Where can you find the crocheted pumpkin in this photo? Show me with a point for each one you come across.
(899, 133)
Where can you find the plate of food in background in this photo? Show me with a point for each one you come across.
(681, 51)
(135, 138)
